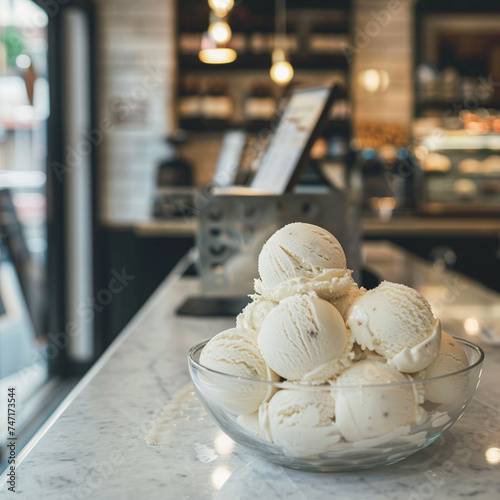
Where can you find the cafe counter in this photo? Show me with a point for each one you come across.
(134, 428)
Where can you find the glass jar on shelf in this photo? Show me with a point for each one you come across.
(260, 102)
(217, 105)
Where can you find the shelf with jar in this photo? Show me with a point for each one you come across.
(258, 15)
(213, 98)
(317, 35)
(213, 104)
(300, 61)
(324, 51)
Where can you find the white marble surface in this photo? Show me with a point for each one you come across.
(133, 428)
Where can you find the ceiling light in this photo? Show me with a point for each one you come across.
(281, 70)
(211, 53)
(220, 32)
(219, 55)
(221, 7)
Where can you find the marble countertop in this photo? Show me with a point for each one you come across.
(133, 427)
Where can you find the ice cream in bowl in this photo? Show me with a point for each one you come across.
(319, 374)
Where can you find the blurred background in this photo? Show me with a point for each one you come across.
(117, 118)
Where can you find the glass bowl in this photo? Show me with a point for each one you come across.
(322, 447)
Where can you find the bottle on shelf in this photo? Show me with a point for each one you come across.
(217, 104)
(260, 103)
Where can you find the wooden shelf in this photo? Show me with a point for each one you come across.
(441, 104)
(338, 24)
(341, 27)
(258, 15)
(191, 62)
(372, 227)
(334, 127)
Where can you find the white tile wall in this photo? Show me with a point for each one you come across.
(391, 50)
(136, 78)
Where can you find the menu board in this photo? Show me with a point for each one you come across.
(232, 147)
(287, 153)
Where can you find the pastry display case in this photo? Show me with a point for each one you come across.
(461, 173)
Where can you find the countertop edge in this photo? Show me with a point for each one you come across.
(374, 227)
(173, 276)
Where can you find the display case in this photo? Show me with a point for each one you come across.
(461, 173)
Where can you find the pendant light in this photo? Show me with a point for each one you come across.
(221, 8)
(219, 29)
(281, 70)
(211, 53)
(213, 49)
(220, 32)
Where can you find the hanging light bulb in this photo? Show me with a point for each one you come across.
(281, 71)
(210, 53)
(220, 32)
(221, 7)
(220, 55)
(213, 41)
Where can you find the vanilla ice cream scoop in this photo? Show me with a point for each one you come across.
(299, 249)
(302, 258)
(450, 358)
(251, 424)
(396, 322)
(345, 303)
(254, 313)
(302, 422)
(234, 352)
(305, 338)
(367, 410)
